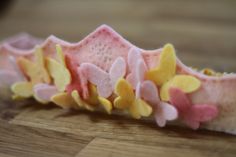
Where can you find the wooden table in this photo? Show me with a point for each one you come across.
(204, 34)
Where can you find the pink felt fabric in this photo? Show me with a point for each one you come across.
(191, 115)
(44, 92)
(104, 81)
(137, 67)
(162, 111)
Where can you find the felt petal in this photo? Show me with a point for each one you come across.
(122, 103)
(106, 104)
(204, 112)
(186, 83)
(60, 55)
(179, 99)
(81, 103)
(144, 108)
(30, 69)
(59, 73)
(17, 70)
(72, 67)
(117, 70)
(124, 90)
(99, 78)
(22, 89)
(132, 80)
(160, 119)
(133, 110)
(44, 92)
(138, 90)
(93, 95)
(149, 92)
(164, 91)
(84, 83)
(63, 100)
(133, 56)
(41, 63)
(169, 111)
(141, 70)
(193, 124)
(166, 68)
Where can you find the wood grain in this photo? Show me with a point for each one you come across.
(132, 134)
(105, 148)
(23, 141)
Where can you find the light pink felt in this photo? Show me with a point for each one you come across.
(137, 67)
(162, 111)
(191, 115)
(104, 81)
(44, 91)
(117, 70)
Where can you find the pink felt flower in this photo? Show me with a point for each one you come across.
(191, 115)
(163, 111)
(105, 81)
(43, 92)
(137, 67)
(147, 89)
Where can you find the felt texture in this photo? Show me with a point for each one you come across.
(104, 81)
(58, 70)
(127, 100)
(36, 72)
(163, 111)
(43, 92)
(191, 114)
(104, 45)
(164, 75)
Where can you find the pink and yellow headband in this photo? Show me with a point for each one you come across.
(104, 71)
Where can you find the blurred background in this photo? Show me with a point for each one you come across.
(203, 31)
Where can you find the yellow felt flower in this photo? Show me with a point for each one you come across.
(71, 101)
(58, 71)
(35, 71)
(164, 75)
(126, 100)
(64, 100)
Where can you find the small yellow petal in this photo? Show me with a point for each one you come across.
(41, 62)
(63, 100)
(30, 69)
(121, 103)
(144, 108)
(22, 89)
(164, 91)
(134, 112)
(186, 83)
(93, 95)
(59, 73)
(106, 104)
(75, 95)
(124, 90)
(166, 68)
(60, 55)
